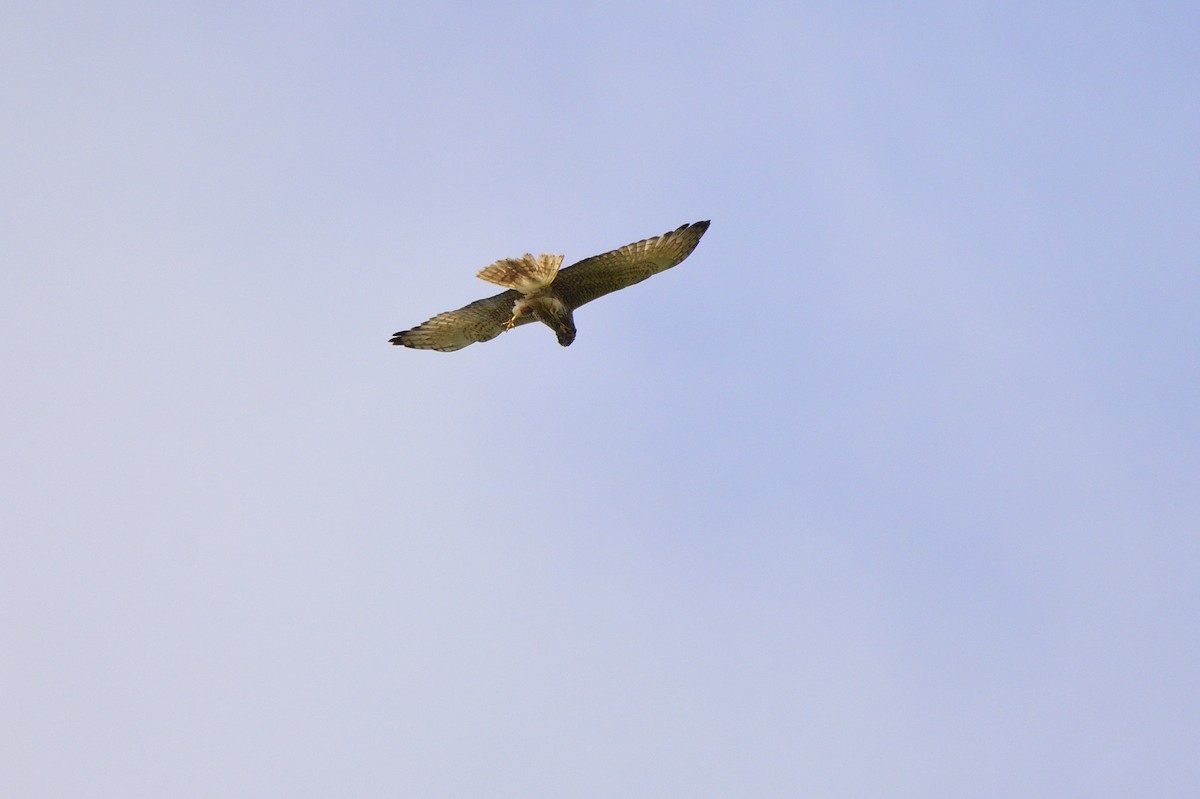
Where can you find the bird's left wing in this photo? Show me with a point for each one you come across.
(482, 320)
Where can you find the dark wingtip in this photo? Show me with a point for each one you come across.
(701, 226)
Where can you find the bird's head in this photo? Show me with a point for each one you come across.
(565, 333)
(556, 315)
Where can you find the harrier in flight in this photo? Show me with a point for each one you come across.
(539, 291)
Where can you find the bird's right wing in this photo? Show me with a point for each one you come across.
(596, 276)
(482, 320)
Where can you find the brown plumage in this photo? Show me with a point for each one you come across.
(539, 291)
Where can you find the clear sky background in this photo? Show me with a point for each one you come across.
(891, 489)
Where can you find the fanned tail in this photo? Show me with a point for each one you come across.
(525, 274)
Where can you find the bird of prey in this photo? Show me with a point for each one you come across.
(539, 291)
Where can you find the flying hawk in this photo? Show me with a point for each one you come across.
(539, 291)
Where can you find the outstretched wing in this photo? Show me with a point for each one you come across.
(601, 274)
(482, 320)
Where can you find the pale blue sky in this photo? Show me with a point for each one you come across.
(889, 490)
